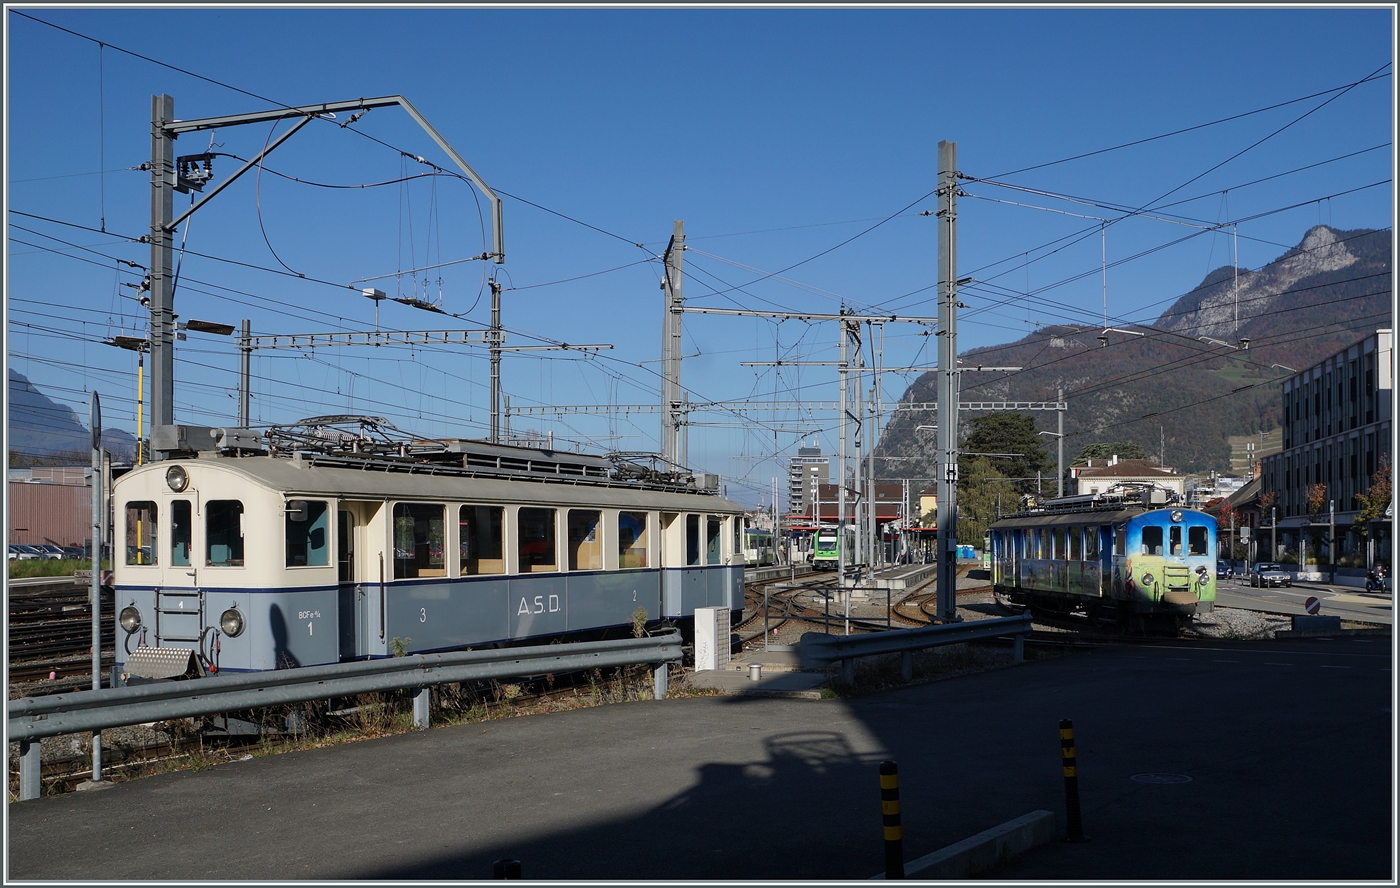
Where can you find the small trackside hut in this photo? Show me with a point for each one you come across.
(1129, 556)
(331, 546)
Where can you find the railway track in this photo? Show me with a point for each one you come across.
(50, 634)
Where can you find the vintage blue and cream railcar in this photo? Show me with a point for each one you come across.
(258, 562)
(1126, 556)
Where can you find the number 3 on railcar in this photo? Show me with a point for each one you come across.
(1126, 557)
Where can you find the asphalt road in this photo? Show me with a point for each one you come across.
(1285, 752)
(1347, 602)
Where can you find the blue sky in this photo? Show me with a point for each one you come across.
(775, 134)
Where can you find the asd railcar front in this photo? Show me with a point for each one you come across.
(267, 562)
(1119, 558)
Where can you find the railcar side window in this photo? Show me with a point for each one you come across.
(308, 533)
(1091, 543)
(631, 539)
(1196, 541)
(738, 535)
(536, 540)
(181, 530)
(1152, 541)
(585, 544)
(223, 533)
(141, 533)
(1120, 540)
(418, 541)
(692, 540)
(480, 540)
(1027, 544)
(1075, 552)
(712, 537)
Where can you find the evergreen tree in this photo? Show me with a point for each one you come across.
(1008, 433)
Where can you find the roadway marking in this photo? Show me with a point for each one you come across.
(1325, 666)
(1278, 664)
(1224, 661)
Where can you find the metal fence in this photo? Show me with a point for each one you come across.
(818, 650)
(33, 718)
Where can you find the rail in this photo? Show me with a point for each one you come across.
(818, 650)
(33, 718)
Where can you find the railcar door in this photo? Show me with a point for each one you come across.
(360, 557)
(352, 595)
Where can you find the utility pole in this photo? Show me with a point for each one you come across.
(1060, 442)
(170, 174)
(842, 550)
(948, 389)
(671, 348)
(495, 349)
(161, 272)
(245, 353)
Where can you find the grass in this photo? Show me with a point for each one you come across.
(44, 567)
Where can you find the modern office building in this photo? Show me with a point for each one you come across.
(806, 470)
(1336, 430)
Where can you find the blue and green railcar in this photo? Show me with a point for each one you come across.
(1130, 558)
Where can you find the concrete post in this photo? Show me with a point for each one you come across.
(659, 681)
(421, 697)
(29, 762)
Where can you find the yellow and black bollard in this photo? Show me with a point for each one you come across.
(1074, 824)
(894, 833)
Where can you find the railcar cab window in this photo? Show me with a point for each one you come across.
(181, 533)
(1176, 539)
(631, 539)
(223, 533)
(308, 533)
(712, 540)
(418, 541)
(1197, 541)
(1152, 540)
(536, 537)
(481, 540)
(1120, 540)
(585, 543)
(692, 540)
(141, 533)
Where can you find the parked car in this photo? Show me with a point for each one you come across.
(21, 552)
(1269, 573)
(51, 551)
(1223, 571)
(77, 552)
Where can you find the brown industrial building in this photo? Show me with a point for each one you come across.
(50, 505)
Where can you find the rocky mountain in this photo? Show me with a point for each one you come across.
(1176, 394)
(44, 430)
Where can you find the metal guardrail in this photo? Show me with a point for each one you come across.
(32, 718)
(818, 650)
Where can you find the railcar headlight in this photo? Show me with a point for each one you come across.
(1147, 579)
(177, 478)
(231, 622)
(130, 619)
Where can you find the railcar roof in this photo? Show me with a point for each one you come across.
(1088, 516)
(302, 478)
